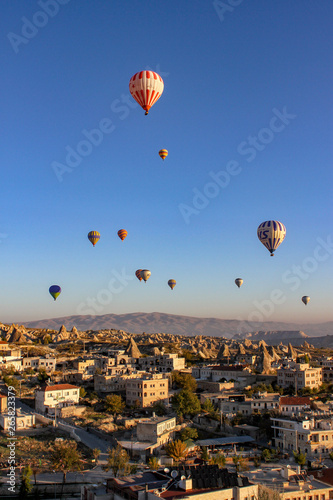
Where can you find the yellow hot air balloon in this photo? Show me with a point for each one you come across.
(94, 236)
(172, 284)
(145, 274)
(163, 153)
(146, 87)
(305, 299)
(239, 282)
(271, 233)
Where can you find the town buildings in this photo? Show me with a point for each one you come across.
(144, 390)
(51, 397)
(299, 375)
(310, 435)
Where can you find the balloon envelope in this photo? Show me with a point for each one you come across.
(138, 274)
(55, 291)
(146, 87)
(94, 236)
(172, 284)
(306, 299)
(145, 274)
(122, 233)
(271, 233)
(163, 153)
(239, 282)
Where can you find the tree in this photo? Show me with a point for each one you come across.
(153, 463)
(240, 462)
(96, 453)
(186, 403)
(35, 468)
(42, 375)
(65, 457)
(159, 408)
(176, 450)
(266, 455)
(114, 404)
(183, 381)
(83, 392)
(188, 355)
(204, 454)
(11, 381)
(300, 458)
(118, 461)
(219, 459)
(188, 433)
(208, 406)
(25, 485)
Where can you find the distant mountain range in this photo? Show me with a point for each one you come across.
(182, 325)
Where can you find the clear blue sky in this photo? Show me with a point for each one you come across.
(228, 72)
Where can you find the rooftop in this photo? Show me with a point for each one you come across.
(58, 387)
(273, 478)
(225, 441)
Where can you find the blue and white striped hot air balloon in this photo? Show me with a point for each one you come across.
(271, 233)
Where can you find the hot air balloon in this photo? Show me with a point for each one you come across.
(145, 274)
(163, 153)
(146, 87)
(122, 233)
(55, 291)
(138, 274)
(94, 236)
(172, 284)
(271, 233)
(305, 299)
(239, 282)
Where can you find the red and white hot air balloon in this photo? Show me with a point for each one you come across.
(146, 87)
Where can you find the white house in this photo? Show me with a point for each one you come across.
(38, 362)
(56, 396)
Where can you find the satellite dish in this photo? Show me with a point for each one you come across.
(166, 470)
(174, 474)
(182, 478)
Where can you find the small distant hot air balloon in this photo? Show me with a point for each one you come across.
(163, 153)
(145, 274)
(172, 284)
(271, 233)
(146, 87)
(122, 233)
(94, 236)
(138, 274)
(239, 282)
(305, 299)
(55, 291)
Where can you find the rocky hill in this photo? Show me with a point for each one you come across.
(179, 325)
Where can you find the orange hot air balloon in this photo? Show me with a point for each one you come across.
(146, 87)
(138, 274)
(122, 233)
(163, 153)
